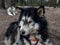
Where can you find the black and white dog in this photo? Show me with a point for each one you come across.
(31, 20)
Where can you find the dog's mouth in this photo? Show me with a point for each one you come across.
(34, 40)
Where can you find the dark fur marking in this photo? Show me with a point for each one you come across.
(12, 31)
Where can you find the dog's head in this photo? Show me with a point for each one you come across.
(28, 18)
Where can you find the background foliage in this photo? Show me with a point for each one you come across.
(7, 3)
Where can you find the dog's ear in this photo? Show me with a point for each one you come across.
(41, 10)
(19, 8)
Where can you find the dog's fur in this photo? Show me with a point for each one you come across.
(12, 35)
(31, 20)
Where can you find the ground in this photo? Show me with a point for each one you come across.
(52, 15)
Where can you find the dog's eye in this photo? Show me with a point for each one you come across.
(30, 21)
(19, 26)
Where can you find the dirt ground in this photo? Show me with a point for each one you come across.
(52, 16)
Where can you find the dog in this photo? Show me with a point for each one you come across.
(32, 20)
(11, 11)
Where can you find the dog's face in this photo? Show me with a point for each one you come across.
(26, 20)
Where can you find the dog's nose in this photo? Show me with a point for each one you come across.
(23, 32)
(17, 43)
